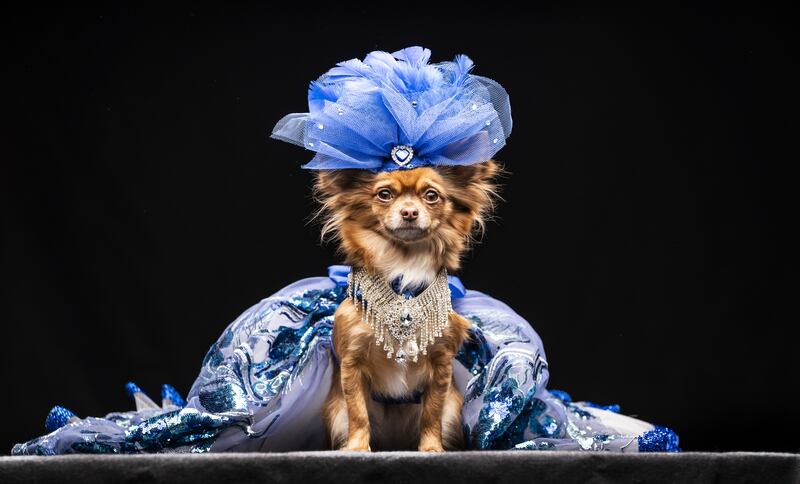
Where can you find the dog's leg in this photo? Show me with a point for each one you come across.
(442, 401)
(434, 402)
(354, 387)
(452, 427)
(351, 340)
(335, 412)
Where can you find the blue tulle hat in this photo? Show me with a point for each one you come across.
(397, 111)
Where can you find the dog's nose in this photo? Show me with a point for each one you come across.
(409, 213)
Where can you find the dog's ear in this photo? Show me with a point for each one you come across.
(338, 192)
(478, 173)
(476, 182)
(330, 183)
(473, 190)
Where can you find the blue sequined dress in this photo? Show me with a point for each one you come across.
(263, 383)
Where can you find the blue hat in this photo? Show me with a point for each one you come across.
(396, 111)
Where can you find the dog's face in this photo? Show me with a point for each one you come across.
(425, 207)
(410, 205)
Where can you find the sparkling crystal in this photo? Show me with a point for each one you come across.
(474, 107)
(400, 357)
(401, 154)
(320, 126)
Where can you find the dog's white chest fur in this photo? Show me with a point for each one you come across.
(402, 380)
(414, 269)
(396, 385)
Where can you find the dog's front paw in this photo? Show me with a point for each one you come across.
(430, 447)
(356, 447)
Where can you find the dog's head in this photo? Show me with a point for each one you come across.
(434, 211)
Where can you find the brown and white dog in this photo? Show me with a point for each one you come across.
(405, 224)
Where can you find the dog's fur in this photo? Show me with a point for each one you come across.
(411, 233)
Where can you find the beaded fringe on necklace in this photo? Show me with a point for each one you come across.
(405, 325)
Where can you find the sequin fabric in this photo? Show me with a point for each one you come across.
(262, 385)
(57, 418)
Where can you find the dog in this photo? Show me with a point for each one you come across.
(403, 225)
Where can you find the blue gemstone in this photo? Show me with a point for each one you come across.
(401, 154)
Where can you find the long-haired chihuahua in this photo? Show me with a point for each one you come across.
(405, 226)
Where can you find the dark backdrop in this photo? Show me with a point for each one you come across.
(144, 207)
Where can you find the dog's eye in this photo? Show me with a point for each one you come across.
(385, 194)
(431, 196)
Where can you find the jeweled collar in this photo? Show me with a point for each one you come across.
(405, 325)
(339, 274)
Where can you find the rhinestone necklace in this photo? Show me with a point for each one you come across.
(405, 325)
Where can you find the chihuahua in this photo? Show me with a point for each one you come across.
(404, 226)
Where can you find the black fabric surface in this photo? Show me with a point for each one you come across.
(472, 467)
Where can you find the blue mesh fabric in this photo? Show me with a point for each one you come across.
(360, 110)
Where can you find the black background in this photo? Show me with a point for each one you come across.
(144, 207)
